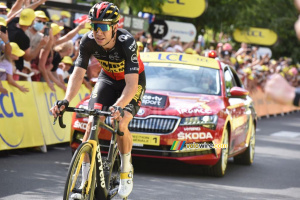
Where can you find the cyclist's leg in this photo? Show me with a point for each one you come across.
(125, 142)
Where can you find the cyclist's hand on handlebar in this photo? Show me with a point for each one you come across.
(116, 112)
(59, 106)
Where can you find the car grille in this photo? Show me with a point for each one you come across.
(153, 124)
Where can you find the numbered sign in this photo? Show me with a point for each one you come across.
(158, 29)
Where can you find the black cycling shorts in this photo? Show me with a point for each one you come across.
(108, 90)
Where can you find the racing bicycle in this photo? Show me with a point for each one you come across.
(103, 179)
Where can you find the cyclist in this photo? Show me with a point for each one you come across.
(120, 86)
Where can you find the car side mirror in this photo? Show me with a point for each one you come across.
(238, 92)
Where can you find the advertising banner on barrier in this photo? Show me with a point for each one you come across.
(182, 8)
(45, 99)
(25, 119)
(19, 122)
(260, 36)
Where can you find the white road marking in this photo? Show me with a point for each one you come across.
(287, 134)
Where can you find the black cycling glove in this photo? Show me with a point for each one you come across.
(119, 109)
(62, 102)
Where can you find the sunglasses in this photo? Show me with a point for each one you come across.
(3, 10)
(102, 27)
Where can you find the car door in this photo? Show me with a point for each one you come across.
(237, 111)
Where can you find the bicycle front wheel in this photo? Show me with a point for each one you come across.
(74, 184)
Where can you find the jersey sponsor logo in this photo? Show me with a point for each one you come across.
(129, 107)
(122, 38)
(134, 69)
(194, 135)
(132, 47)
(138, 93)
(134, 58)
(94, 95)
(114, 56)
(112, 67)
(91, 35)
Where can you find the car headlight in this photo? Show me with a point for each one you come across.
(80, 115)
(207, 121)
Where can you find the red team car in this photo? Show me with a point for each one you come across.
(194, 107)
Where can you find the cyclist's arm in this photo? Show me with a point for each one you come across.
(129, 91)
(74, 83)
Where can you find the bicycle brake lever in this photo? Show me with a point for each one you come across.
(55, 118)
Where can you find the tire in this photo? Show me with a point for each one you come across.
(219, 169)
(112, 173)
(247, 157)
(84, 148)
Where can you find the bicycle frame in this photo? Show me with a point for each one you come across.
(102, 189)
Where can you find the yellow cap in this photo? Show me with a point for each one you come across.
(15, 49)
(190, 51)
(55, 17)
(67, 60)
(26, 17)
(83, 31)
(3, 5)
(140, 44)
(88, 26)
(56, 28)
(2, 21)
(65, 13)
(41, 14)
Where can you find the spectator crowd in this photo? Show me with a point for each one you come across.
(35, 46)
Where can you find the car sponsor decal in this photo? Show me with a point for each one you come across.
(154, 100)
(145, 139)
(80, 125)
(194, 135)
(194, 111)
(140, 112)
(192, 129)
(171, 58)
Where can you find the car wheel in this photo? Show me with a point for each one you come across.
(246, 158)
(219, 169)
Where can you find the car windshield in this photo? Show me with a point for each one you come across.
(182, 78)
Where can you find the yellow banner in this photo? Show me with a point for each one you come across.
(19, 122)
(258, 36)
(45, 99)
(182, 8)
(25, 119)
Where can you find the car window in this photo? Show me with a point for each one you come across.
(229, 81)
(236, 79)
(182, 78)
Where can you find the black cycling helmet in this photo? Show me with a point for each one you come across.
(104, 12)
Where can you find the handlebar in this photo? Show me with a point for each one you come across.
(93, 112)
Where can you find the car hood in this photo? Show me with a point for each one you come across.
(180, 104)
